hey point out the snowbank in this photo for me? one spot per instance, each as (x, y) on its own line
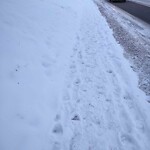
(36, 38)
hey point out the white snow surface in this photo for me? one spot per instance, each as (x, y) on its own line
(65, 84)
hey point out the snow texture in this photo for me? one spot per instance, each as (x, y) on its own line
(65, 84)
(135, 42)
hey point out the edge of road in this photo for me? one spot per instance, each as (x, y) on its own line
(134, 18)
(140, 2)
(139, 29)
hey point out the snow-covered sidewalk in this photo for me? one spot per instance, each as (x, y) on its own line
(65, 84)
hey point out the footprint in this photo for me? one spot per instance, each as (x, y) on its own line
(129, 140)
(126, 138)
(77, 81)
(75, 142)
(46, 64)
(114, 148)
(58, 129)
(66, 96)
(110, 71)
(17, 68)
(76, 118)
(20, 116)
(58, 117)
(108, 100)
(140, 125)
(56, 146)
(73, 69)
(129, 100)
(79, 55)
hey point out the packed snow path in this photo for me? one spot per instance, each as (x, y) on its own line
(101, 103)
(67, 94)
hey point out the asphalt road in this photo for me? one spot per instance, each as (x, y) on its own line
(137, 10)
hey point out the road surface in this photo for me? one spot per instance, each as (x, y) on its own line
(137, 10)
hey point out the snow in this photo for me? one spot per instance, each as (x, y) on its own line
(65, 83)
(134, 41)
(33, 60)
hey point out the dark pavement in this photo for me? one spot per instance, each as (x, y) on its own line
(137, 10)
